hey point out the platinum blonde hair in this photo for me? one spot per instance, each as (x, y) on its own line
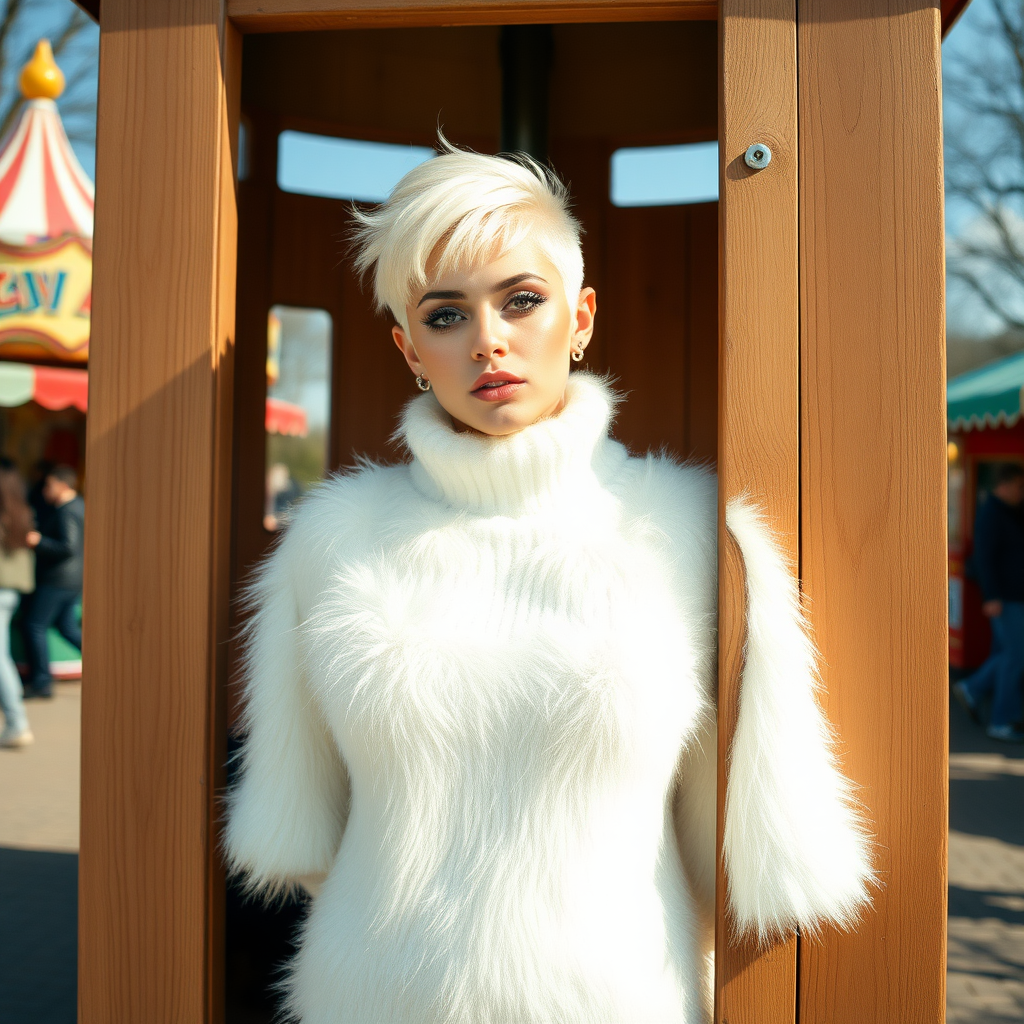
(461, 207)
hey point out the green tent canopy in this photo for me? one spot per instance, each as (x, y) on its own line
(987, 397)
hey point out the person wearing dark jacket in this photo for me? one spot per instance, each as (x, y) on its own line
(999, 566)
(58, 544)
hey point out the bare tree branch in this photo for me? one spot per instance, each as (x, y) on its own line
(984, 96)
(67, 33)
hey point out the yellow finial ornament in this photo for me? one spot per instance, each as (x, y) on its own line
(41, 79)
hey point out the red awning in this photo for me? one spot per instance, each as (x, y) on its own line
(56, 387)
(285, 418)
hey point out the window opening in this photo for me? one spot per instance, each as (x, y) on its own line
(323, 165)
(665, 175)
(298, 407)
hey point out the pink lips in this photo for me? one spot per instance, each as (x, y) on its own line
(496, 386)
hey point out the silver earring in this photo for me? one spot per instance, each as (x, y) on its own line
(577, 355)
(422, 383)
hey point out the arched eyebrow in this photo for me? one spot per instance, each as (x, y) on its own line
(509, 282)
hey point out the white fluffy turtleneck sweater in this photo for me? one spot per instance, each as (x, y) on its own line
(480, 696)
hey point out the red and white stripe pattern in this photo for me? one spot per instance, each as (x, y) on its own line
(44, 193)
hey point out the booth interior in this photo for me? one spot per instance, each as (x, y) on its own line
(308, 337)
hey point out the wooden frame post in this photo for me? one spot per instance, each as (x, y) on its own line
(156, 571)
(874, 478)
(758, 404)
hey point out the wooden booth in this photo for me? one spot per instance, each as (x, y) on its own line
(791, 332)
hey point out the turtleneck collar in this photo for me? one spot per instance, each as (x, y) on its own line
(549, 462)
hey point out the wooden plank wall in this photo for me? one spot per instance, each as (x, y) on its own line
(156, 558)
(874, 478)
(758, 411)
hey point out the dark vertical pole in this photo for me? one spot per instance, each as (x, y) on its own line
(526, 52)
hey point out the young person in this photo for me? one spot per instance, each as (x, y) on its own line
(999, 561)
(17, 572)
(58, 546)
(480, 684)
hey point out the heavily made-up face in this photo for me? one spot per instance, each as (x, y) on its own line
(495, 339)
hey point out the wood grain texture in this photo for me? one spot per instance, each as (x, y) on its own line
(758, 411)
(873, 478)
(311, 15)
(155, 579)
(658, 323)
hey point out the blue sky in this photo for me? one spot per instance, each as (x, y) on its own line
(963, 41)
(968, 42)
(43, 18)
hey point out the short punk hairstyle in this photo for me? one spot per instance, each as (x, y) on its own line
(463, 206)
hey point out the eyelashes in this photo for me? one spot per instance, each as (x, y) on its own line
(519, 304)
(443, 318)
(531, 299)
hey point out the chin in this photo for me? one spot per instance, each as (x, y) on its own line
(505, 419)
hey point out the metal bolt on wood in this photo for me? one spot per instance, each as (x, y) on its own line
(758, 156)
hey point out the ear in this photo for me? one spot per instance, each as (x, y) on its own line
(586, 311)
(405, 346)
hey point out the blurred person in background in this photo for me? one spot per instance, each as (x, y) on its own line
(281, 493)
(37, 483)
(58, 545)
(998, 564)
(17, 571)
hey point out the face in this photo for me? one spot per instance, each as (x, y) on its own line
(53, 489)
(495, 339)
(1012, 491)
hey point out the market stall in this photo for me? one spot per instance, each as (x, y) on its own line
(985, 430)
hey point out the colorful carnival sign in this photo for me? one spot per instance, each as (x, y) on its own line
(45, 299)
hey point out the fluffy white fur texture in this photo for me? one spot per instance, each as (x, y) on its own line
(796, 849)
(480, 701)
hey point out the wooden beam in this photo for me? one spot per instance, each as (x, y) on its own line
(91, 7)
(310, 15)
(951, 11)
(758, 412)
(874, 478)
(156, 572)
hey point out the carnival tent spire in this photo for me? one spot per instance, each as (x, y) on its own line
(44, 193)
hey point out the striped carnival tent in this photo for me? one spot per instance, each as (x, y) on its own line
(44, 193)
(46, 219)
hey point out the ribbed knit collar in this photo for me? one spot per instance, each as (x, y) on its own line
(551, 462)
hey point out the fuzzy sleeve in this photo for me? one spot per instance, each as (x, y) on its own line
(796, 851)
(287, 811)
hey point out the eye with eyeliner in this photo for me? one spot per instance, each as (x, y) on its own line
(442, 318)
(531, 299)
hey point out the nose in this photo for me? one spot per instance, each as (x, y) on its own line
(488, 341)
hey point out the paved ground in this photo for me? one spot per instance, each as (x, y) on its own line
(986, 877)
(38, 866)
